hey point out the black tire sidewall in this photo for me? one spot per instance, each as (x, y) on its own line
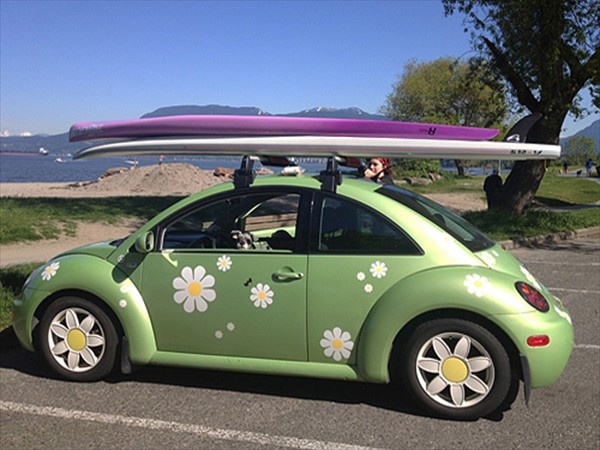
(504, 378)
(107, 361)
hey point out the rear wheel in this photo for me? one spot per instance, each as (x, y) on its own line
(456, 369)
(78, 339)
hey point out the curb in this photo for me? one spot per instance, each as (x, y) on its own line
(551, 238)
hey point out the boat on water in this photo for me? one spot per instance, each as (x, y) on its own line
(43, 151)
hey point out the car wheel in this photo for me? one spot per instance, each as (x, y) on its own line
(78, 339)
(456, 369)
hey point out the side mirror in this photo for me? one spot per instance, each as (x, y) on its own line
(145, 242)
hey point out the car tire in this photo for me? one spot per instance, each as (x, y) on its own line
(78, 339)
(456, 369)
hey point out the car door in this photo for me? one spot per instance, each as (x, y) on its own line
(228, 278)
(356, 255)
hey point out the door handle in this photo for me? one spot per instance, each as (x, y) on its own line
(287, 274)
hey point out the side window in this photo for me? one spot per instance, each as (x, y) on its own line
(346, 227)
(265, 221)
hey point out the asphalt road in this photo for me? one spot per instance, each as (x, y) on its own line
(175, 408)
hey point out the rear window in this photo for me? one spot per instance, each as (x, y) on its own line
(452, 223)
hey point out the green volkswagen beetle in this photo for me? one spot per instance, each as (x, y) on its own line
(368, 282)
(318, 276)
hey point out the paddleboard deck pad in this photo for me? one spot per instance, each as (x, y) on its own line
(173, 126)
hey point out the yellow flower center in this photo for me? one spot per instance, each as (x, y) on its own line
(337, 344)
(195, 289)
(262, 295)
(455, 370)
(76, 339)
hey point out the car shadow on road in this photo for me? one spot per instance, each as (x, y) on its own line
(388, 397)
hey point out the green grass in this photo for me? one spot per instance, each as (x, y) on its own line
(500, 225)
(11, 281)
(30, 219)
(554, 191)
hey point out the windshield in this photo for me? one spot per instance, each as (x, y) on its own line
(452, 223)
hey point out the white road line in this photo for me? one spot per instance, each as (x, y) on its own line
(176, 427)
(577, 291)
(588, 346)
(560, 263)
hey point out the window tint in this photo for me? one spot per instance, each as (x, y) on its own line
(265, 221)
(346, 227)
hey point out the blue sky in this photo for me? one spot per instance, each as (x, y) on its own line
(63, 62)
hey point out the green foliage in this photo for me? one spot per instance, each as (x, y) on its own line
(11, 281)
(448, 91)
(30, 219)
(415, 167)
(578, 149)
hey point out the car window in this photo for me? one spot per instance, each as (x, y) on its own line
(452, 223)
(265, 221)
(347, 227)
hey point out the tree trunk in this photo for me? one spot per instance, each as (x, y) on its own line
(460, 168)
(521, 185)
(525, 177)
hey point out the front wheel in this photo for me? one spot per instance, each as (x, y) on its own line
(78, 339)
(456, 369)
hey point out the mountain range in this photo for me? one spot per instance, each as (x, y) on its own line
(59, 144)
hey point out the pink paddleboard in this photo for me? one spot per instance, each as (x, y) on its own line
(173, 126)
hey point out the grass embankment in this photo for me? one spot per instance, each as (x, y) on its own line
(31, 219)
(26, 219)
(554, 192)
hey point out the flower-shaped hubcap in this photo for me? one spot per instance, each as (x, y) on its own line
(455, 370)
(76, 339)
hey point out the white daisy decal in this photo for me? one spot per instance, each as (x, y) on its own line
(123, 303)
(530, 278)
(488, 258)
(368, 288)
(193, 289)
(224, 263)
(337, 344)
(477, 285)
(219, 334)
(378, 269)
(230, 326)
(360, 276)
(262, 295)
(50, 270)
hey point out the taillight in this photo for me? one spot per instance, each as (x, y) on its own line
(532, 296)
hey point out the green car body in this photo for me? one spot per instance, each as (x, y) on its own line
(306, 308)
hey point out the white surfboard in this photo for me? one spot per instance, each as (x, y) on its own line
(325, 146)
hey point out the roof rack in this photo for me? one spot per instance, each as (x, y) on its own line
(245, 175)
(331, 177)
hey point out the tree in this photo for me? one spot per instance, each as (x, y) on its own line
(578, 149)
(448, 91)
(547, 51)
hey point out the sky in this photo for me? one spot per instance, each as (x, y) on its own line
(63, 62)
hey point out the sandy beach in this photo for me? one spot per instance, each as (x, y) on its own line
(166, 179)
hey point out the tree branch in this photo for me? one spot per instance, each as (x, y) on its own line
(523, 92)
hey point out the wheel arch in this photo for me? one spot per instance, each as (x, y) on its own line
(451, 313)
(79, 293)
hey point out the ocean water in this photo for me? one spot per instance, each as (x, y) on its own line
(35, 168)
